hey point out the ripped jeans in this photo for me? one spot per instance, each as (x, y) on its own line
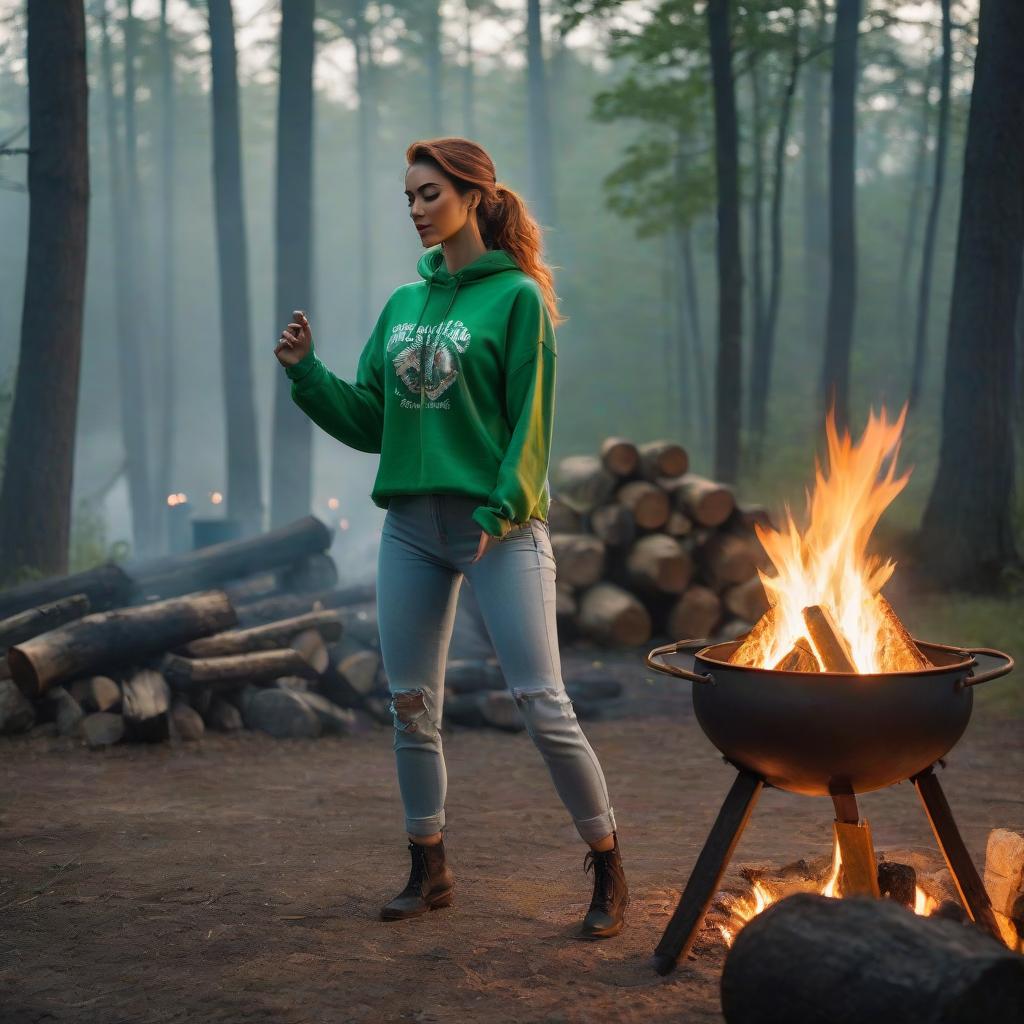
(427, 543)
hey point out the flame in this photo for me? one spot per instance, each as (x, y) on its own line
(828, 564)
(762, 897)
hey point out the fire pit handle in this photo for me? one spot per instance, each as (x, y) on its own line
(993, 673)
(675, 670)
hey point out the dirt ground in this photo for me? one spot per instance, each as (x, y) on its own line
(239, 878)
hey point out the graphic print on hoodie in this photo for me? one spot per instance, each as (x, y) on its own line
(455, 389)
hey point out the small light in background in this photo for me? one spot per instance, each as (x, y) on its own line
(343, 523)
(216, 497)
(332, 503)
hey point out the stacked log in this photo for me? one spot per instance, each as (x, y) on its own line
(137, 655)
(646, 547)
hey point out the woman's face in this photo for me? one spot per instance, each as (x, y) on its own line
(436, 208)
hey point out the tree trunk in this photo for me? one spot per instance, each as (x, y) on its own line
(35, 500)
(728, 373)
(815, 224)
(165, 470)
(367, 137)
(701, 386)
(932, 225)
(244, 502)
(967, 531)
(842, 288)
(292, 445)
(538, 120)
(757, 302)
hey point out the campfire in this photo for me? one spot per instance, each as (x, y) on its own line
(826, 612)
(829, 695)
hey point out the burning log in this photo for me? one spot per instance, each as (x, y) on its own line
(896, 647)
(98, 642)
(612, 616)
(234, 669)
(848, 961)
(800, 659)
(647, 503)
(749, 652)
(264, 638)
(897, 882)
(619, 456)
(832, 649)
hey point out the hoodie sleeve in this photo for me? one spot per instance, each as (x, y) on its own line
(351, 412)
(530, 404)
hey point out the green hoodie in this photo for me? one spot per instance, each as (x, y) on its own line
(455, 389)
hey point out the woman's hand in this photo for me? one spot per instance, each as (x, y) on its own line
(486, 541)
(296, 340)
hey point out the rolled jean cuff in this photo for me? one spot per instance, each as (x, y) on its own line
(593, 829)
(425, 826)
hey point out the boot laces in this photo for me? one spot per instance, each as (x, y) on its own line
(604, 882)
(418, 870)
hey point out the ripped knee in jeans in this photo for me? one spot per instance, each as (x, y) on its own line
(549, 701)
(409, 709)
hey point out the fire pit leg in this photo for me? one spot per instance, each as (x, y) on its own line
(707, 872)
(856, 849)
(961, 867)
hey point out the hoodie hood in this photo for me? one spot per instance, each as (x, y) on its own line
(432, 268)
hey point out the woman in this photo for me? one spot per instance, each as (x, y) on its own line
(455, 389)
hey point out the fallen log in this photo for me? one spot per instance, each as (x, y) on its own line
(27, 624)
(847, 961)
(310, 574)
(106, 586)
(283, 606)
(271, 636)
(218, 563)
(105, 640)
(234, 669)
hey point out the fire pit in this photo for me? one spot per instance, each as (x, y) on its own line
(828, 695)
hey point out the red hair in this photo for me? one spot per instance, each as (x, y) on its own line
(504, 219)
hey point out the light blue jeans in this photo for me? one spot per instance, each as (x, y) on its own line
(427, 544)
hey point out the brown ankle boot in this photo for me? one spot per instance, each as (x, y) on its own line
(605, 916)
(430, 884)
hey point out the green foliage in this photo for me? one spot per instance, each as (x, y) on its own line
(89, 545)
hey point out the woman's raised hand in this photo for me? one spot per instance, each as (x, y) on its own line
(296, 340)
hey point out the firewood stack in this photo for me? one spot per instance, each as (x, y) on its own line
(644, 547)
(247, 634)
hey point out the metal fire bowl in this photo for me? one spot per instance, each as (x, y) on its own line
(820, 733)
